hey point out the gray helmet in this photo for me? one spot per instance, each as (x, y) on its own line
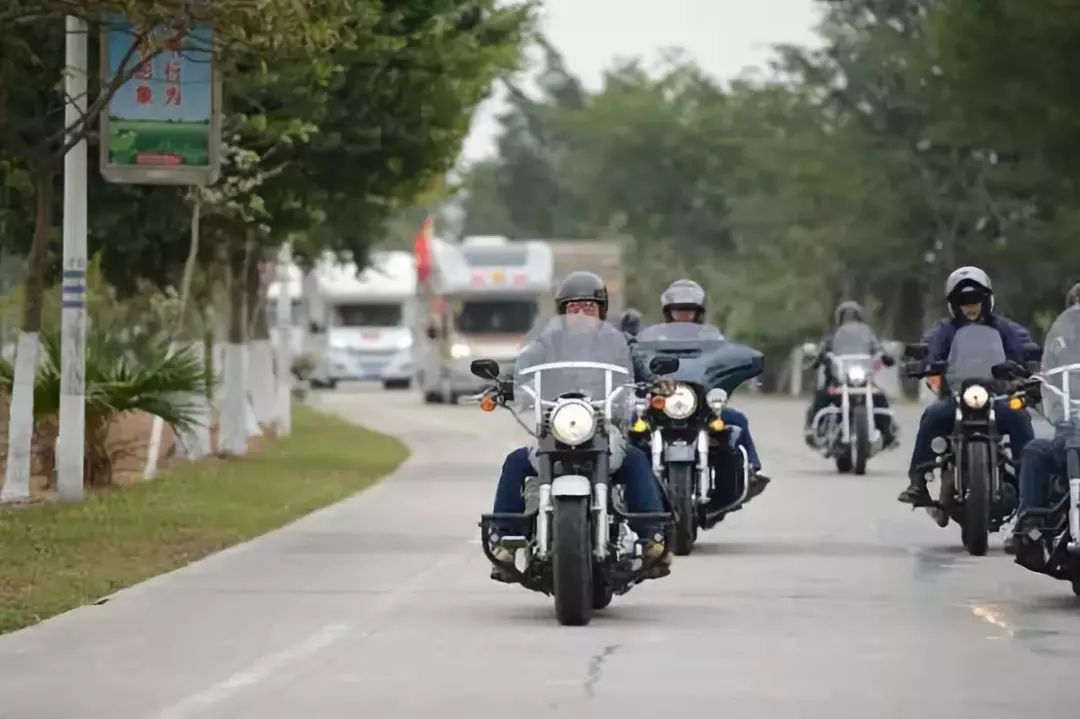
(683, 294)
(969, 285)
(582, 286)
(631, 322)
(1072, 299)
(846, 308)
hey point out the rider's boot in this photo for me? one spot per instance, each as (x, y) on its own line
(916, 493)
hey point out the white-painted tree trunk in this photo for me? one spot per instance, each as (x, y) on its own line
(194, 443)
(21, 420)
(235, 406)
(262, 386)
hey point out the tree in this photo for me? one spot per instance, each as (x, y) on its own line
(34, 138)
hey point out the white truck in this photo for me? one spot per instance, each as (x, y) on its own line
(360, 323)
(479, 299)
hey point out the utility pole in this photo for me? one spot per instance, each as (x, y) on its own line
(285, 330)
(70, 444)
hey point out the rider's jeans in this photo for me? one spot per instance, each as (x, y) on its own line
(737, 419)
(643, 493)
(1039, 464)
(938, 420)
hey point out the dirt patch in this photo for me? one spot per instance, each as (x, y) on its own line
(129, 440)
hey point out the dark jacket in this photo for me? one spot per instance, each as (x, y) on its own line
(1013, 337)
(642, 373)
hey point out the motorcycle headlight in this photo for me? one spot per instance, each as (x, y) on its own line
(573, 422)
(856, 375)
(681, 404)
(976, 396)
(460, 350)
(716, 398)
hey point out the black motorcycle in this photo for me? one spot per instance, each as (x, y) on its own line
(979, 489)
(573, 388)
(1049, 538)
(705, 473)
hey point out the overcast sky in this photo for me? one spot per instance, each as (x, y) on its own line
(722, 36)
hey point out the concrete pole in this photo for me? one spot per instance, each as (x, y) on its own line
(285, 330)
(72, 436)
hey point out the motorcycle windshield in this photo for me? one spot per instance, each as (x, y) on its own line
(1061, 369)
(853, 345)
(580, 356)
(705, 357)
(974, 352)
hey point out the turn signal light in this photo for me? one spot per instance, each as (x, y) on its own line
(717, 425)
(488, 403)
(657, 402)
(1017, 403)
(640, 426)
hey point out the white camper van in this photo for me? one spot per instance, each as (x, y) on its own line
(360, 323)
(480, 300)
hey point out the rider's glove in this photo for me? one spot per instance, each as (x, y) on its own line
(664, 387)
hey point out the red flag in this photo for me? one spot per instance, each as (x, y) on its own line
(422, 249)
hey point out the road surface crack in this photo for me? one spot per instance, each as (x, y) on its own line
(596, 668)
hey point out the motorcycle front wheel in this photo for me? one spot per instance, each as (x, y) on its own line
(681, 485)
(860, 445)
(976, 529)
(571, 561)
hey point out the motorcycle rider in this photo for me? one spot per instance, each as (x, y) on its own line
(970, 297)
(631, 322)
(1072, 299)
(584, 293)
(849, 312)
(1043, 459)
(685, 301)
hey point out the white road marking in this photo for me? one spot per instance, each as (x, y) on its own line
(257, 673)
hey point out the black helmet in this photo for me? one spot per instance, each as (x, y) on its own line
(969, 286)
(631, 322)
(684, 295)
(1072, 299)
(580, 286)
(849, 308)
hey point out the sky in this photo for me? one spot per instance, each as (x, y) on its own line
(723, 36)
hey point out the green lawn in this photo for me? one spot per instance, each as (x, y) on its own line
(54, 558)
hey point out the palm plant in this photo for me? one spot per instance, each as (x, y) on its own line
(161, 383)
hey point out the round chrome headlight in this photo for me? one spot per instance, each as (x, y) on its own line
(573, 422)
(976, 396)
(716, 398)
(856, 375)
(681, 404)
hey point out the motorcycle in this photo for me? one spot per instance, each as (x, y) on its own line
(1050, 544)
(572, 390)
(705, 473)
(845, 430)
(979, 489)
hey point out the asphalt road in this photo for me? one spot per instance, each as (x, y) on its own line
(824, 598)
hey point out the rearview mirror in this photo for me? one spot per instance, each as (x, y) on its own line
(916, 351)
(485, 369)
(432, 332)
(1005, 370)
(663, 365)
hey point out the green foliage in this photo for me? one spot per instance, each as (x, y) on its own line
(160, 384)
(860, 170)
